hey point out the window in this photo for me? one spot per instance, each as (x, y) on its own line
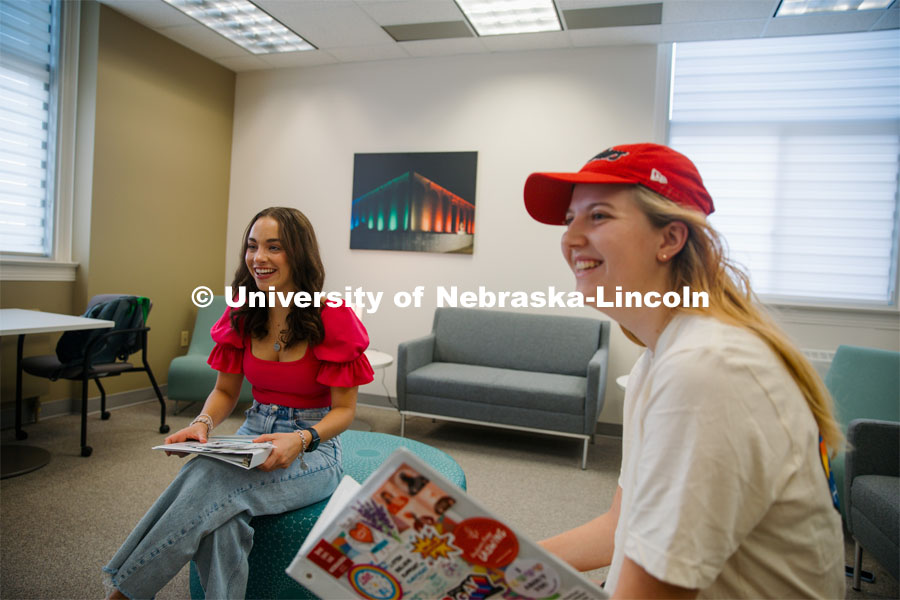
(798, 141)
(28, 59)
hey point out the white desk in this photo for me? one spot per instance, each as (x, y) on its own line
(15, 458)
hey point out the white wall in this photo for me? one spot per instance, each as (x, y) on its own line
(296, 131)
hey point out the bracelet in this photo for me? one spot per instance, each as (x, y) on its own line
(302, 450)
(206, 420)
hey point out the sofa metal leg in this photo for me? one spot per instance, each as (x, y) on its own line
(402, 425)
(857, 566)
(584, 454)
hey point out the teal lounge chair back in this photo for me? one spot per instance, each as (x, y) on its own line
(865, 384)
(190, 378)
(201, 341)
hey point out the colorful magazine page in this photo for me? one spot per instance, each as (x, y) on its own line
(408, 533)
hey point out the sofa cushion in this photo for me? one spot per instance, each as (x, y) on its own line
(507, 340)
(879, 497)
(504, 387)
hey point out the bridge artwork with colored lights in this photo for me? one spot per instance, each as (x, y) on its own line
(412, 212)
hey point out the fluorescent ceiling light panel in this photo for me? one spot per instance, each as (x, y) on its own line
(499, 17)
(804, 7)
(245, 24)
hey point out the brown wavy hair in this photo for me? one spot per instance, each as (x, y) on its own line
(307, 272)
(703, 264)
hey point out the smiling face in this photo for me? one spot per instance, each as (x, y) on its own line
(610, 242)
(266, 257)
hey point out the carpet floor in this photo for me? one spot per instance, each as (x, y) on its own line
(59, 525)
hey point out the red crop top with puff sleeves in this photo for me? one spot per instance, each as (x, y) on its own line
(338, 361)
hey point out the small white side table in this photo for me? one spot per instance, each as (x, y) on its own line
(379, 361)
(622, 382)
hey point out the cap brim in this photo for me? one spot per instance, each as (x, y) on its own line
(547, 195)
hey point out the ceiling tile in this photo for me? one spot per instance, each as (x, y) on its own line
(711, 30)
(204, 41)
(607, 36)
(717, 10)
(444, 47)
(429, 31)
(150, 13)
(614, 16)
(528, 41)
(822, 23)
(298, 59)
(579, 4)
(365, 53)
(328, 23)
(243, 63)
(403, 12)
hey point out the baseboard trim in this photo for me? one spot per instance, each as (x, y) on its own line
(33, 411)
(377, 401)
(609, 429)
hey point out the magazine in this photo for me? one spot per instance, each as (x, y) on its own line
(409, 533)
(238, 450)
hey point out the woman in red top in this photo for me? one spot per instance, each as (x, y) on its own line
(304, 365)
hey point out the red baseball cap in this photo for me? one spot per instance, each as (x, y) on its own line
(658, 168)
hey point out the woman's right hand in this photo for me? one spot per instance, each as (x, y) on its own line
(194, 431)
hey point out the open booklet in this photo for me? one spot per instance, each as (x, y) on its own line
(409, 533)
(238, 450)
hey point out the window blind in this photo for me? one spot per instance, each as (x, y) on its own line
(798, 142)
(27, 123)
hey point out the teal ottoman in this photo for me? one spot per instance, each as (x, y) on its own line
(277, 538)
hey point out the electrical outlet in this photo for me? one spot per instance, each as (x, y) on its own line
(184, 338)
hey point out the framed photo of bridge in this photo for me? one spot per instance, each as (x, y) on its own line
(414, 201)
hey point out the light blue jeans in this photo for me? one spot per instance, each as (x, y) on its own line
(205, 512)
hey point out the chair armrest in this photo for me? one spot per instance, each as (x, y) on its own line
(412, 355)
(597, 370)
(872, 449)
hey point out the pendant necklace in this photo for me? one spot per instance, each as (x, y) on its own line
(277, 345)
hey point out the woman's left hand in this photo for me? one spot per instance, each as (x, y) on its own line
(287, 449)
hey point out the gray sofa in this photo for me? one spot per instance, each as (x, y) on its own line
(541, 373)
(872, 480)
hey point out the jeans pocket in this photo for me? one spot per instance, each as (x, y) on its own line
(309, 417)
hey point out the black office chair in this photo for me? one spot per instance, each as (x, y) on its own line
(50, 367)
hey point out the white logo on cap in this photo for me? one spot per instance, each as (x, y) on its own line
(658, 177)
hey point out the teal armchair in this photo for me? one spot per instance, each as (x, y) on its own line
(190, 378)
(865, 384)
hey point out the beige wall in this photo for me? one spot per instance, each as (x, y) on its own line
(151, 211)
(162, 150)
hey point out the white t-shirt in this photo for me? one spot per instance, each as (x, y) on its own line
(723, 488)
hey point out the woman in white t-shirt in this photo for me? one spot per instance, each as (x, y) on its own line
(722, 490)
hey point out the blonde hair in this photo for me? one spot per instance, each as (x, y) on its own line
(703, 264)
